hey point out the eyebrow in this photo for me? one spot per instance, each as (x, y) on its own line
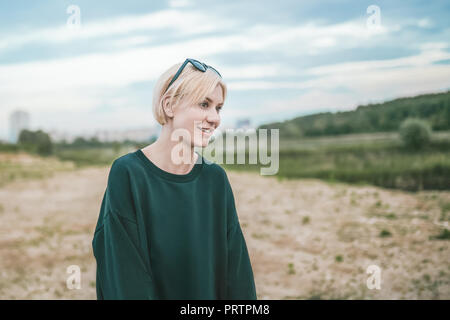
(220, 104)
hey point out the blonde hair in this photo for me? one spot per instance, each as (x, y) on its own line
(192, 84)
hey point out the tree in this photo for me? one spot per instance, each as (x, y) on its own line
(35, 142)
(415, 133)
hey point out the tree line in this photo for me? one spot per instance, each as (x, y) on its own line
(380, 117)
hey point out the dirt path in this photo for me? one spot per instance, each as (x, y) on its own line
(306, 238)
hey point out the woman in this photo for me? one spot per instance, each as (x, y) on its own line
(168, 228)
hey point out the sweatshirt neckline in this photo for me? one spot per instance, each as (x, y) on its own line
(171, 176)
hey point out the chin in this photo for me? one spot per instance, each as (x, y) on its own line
(201, 142)
(204, 144)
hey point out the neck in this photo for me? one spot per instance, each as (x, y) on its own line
(160, 152)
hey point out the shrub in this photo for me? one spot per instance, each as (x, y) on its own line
(444, 235)
(415, 133)
(35, 142)
(385, 233)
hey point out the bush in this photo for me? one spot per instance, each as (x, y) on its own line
(415, 133)
(35, 142)
(8, 147)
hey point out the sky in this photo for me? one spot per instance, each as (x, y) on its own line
(80, 66)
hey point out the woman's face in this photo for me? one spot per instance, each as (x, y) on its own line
(203, 115)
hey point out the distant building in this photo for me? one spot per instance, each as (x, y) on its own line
(58, 136)
(243, 123)
(138, 134)
(107, 135)
(18, 120)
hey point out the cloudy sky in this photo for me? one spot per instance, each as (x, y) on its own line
(280, 59)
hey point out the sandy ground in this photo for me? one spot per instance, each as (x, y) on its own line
(306, 238)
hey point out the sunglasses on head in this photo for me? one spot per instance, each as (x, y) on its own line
(197, 64)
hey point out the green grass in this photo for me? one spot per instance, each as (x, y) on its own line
(38, 168)
(391, 216)
(64, 159)
(305, 220)
(444, 235)
(381, 162)
(361, 159)
(385, 233)
(445, 209)
(83, 157)
(291, 269)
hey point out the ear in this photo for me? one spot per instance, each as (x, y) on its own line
(167, 107)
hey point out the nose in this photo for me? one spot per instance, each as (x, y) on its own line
(213, 117)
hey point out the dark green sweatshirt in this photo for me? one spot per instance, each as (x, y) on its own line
(161, 235)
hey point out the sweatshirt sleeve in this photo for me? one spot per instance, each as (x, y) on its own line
(240, 283)
(121, 269)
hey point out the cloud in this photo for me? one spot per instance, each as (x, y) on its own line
(127, 42)
(311, 36)
(315, 99)
(379, 85)
(346, 85)
(180, 3)
(351, 73)
(431, 52)
(175, 22)
(424, 23)
(125, 67)
(44, 83)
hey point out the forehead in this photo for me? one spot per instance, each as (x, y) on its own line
(216, 96)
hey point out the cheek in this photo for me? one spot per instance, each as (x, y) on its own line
(188, 119)
(195, 117)
(185, 119)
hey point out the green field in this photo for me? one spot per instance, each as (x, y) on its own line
(378, 159)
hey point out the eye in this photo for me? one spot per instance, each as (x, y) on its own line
(219, 108)
(204, 103)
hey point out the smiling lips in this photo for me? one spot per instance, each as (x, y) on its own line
(206, 130)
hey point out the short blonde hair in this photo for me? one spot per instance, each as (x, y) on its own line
(192, 84)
